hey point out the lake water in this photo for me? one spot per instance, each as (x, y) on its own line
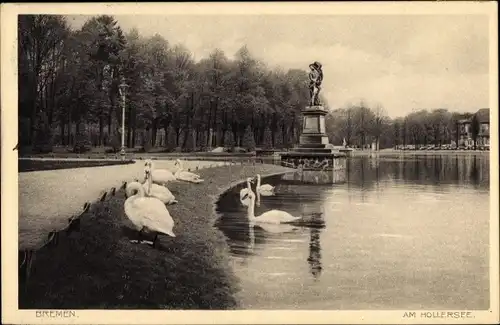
(408, 233)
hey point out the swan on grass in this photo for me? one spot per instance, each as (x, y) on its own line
(272, 216)
(160, 176)
(183, 175)
(162, 193)
(245, 191)
(147, 214)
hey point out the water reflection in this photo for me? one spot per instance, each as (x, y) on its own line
(399, 233)
(314, 258)
(426, 170)
(318, 177)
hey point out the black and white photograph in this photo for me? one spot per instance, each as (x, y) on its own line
(282, 162)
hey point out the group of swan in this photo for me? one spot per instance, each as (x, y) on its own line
(264, 190)
(269, 217)
(147, 209)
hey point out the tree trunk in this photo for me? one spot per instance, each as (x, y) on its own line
(61, 129)
(101, 130)
(110, 132)
(134, 133)
(69, 128)
(195, 136)
(129, 128)
(214, 122)
(210, 139)
(177, 135)
(154, 129)
(32, 120)
(77, 126)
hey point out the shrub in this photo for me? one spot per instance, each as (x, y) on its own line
(248, 139)
(190, 141)
(267, 142)
(82, 142)
(146, 141)
(43, 136)
(24, 130)
(278, 138)
(171, 141)
(202, 141)
(229, 140)
(115, 143)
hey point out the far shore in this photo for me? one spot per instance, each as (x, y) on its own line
(393, 152)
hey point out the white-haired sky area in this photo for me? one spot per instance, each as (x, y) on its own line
(402, 63)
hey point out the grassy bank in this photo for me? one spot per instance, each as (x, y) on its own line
(97, 267)
(36, 165)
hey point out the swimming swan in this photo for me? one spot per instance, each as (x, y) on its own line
(272, 216)
(182, 175)
(160, 176)
(264, 189)
(147, 213)
(245, 191)
(162, 193)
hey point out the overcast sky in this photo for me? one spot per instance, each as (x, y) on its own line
(401, 62)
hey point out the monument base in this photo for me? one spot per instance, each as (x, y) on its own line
(314, 151)
(315, 177)
(313, 159)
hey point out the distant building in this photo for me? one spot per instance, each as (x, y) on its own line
(464, 133)
(483, 136)
(465, 129)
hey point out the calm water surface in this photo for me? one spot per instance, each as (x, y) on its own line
(399, 234)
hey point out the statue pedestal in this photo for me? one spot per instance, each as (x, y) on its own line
(312, 152)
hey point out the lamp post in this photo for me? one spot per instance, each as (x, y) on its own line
(123, 88)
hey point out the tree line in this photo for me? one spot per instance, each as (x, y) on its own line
(69, 90)
(362, 125)
(69, 94)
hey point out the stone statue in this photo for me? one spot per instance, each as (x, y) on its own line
(315, 77)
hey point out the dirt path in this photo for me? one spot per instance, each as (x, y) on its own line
(48, 198)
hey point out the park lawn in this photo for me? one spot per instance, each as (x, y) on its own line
(98, 268)
(133, 153)
(28, 165)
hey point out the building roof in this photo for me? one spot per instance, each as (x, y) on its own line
(483, 115)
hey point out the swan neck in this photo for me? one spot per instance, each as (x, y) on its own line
(150, 182)
(251, 209)
(258, 180)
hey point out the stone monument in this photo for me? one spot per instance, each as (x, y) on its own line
(314, 152)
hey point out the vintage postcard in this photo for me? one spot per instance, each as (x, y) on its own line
(250, 163)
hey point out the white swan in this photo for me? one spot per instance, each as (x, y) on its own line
(160, 176)
(182, 175)
(272, 216)
(245, 191)
(162, 193)
(264, 189)
(147, 213)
